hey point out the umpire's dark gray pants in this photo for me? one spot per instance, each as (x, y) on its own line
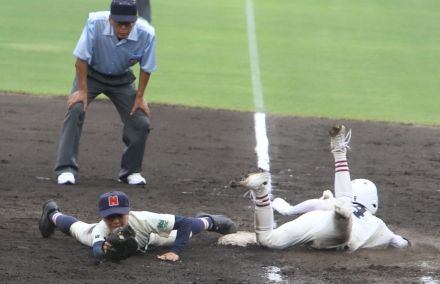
(135, 131)
(144, 9)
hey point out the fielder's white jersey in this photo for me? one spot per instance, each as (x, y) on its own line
(143, 223)
(368, 231)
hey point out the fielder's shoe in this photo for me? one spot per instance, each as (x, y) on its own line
(257, 182)
(134, 179)
(339, 139)
(45, 224)
(221, 224)
(66, 178)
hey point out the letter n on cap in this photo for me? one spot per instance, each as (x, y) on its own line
(113, 200)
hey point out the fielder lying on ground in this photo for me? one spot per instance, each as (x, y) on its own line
(122, 233)
(344, 222)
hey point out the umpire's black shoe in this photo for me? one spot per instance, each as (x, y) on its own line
(47, 228)
(221, 224)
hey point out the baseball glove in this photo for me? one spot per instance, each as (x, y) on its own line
(123, 243)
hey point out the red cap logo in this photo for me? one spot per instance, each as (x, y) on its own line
(113, 200)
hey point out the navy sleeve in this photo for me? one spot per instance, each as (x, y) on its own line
(183, 227)
(98, 252)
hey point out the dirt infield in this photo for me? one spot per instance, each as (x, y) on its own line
(192, 155)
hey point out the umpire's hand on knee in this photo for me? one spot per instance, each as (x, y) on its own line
(139, 103)
(77, 97)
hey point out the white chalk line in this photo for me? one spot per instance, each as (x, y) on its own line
(262, 141)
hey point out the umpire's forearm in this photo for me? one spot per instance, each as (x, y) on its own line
(81, 74)
(144, 77)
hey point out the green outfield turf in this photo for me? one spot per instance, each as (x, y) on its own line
(373, 60)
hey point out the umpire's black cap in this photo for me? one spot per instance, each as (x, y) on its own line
(123, 11)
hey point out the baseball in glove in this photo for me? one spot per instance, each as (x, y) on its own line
(122, 243)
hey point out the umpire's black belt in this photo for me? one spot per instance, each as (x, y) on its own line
(111, 80)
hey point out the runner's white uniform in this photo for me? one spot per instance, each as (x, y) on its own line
(369, 231)
(322, 228)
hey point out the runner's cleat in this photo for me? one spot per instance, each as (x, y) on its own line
(339, 139)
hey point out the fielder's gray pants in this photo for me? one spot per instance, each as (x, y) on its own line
(135, 131)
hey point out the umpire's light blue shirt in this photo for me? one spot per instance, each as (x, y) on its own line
(99, 46)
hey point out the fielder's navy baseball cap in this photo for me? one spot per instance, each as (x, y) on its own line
(113, 202)
(123, 11)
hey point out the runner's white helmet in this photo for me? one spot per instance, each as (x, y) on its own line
(365, 193)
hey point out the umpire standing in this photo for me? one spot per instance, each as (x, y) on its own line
(110, 43)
